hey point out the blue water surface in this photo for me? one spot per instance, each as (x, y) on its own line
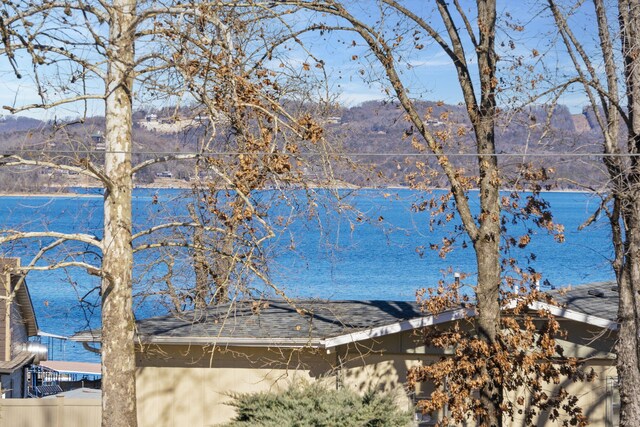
(368, 244)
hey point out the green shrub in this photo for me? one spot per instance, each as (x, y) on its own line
(304, 405)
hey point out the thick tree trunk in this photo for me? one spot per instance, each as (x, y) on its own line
(627, 263)
(487, 250)
(627, 356)
(118, 355)
(224, 265)
(488, 319)
(201, 267)
(628, 348)
(214, 271)
(200, 264)
(483, 230)
(487, 243)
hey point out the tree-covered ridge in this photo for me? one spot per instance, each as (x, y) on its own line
(371, 136)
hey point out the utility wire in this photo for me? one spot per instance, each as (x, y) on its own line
(8, 154)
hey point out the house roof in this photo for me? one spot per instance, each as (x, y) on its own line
(83, 368)
(275, 322)
(78, 393)
(332, 323)
(599, 300)
(22, 296)
(18, 361)
(23, 299)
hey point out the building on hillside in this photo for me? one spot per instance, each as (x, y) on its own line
(189, 365)
(97, 141)
(17, 324)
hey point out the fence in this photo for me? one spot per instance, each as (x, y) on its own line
(54, 412)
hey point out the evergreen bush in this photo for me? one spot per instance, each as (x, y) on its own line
(312, 405)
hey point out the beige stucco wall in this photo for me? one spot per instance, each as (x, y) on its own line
(190, 386)
(182, 386)
(197, 396)
(183, 379)
(50, 412)
(595, 398)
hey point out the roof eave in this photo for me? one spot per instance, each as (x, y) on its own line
(21, 359)
(28, 313)
(405, 325)
(235, 342)
(217, 341)
(575, 315)
(22, 296)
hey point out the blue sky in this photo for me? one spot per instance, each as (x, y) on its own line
(427, 72)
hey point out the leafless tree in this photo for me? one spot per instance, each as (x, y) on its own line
(613, 90)
(392, 31)
(79, 54)
(483, 229)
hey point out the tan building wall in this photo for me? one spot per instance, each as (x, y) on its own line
(180, 386)
(198, 396)
(596, 398)
(58, 412)
(184, 386)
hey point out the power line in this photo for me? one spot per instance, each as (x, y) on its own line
(8, 154)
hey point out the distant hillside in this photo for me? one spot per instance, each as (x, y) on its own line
(544, 135)
(9, 124)
(374, 137)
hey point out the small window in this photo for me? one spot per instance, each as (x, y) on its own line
(423, 391)
(613, 402)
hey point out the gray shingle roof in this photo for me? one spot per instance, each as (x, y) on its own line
(277, 319)
(595, 299)
(272, 322)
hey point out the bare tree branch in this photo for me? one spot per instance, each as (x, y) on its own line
(175, 225)
(49, 105)
(13, 235)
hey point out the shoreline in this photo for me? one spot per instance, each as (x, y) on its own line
(67, 194)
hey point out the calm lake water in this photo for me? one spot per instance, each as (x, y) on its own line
(368, 244)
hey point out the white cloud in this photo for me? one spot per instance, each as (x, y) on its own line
(439, 59)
